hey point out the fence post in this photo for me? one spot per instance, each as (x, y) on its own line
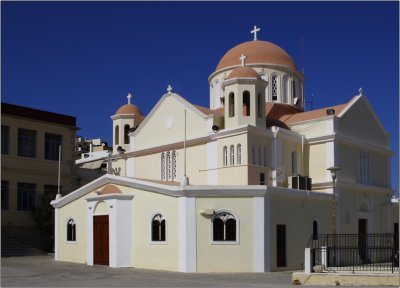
(307, 260)
(324, 255)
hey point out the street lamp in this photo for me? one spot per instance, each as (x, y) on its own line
(334, 170)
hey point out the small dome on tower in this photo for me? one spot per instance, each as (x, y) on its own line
(244, 72)
(129, 108)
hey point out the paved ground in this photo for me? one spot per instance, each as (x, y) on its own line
(43, 271)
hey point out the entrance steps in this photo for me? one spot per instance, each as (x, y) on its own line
(11, 248)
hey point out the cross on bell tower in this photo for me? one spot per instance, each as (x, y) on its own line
(243, 59)
(254, 31)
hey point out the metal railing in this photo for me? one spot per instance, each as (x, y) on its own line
(355, 252)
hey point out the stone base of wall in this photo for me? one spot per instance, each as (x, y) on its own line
(361, 279)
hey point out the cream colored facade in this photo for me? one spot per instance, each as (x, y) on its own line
(236, 212)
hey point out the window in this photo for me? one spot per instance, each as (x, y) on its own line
(26, 196)
(294, 94)
(163, 168)
(5, 139)
(5, 188)
(294, 163)
(239, 154)
(246, 103)
(364, 168)
(265, 157)
(116, 132)
(158, 228)
(315, 230)
(173, 165)
(231, 104)
(168, 168)
(224, 227)
(225, 156)
(126, 134)
(26, 143)
(274, 87)
(262, 179)
(52, 144)
(259, 105)
(260, 156)
(71, 230)
(232, 155)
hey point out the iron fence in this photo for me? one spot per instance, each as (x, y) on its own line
(355, 252)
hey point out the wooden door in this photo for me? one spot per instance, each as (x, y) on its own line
(280, 245)
(100, 240)
(362, 239)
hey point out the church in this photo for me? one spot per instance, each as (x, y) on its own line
(239, 186)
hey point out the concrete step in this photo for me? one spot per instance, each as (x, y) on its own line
(11, 247)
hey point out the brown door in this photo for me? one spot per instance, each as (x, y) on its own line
(362, 239)
(100, 240)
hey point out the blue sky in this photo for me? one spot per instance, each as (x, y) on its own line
(83, 58)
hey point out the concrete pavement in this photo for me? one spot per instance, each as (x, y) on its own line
(43, 271)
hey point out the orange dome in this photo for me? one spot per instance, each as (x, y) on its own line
(128, 109)
(257, 52)
(244, 72)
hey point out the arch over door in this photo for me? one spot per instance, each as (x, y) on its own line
(101, 240)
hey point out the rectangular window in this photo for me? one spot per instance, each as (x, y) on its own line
(262, 179)
(26, 196)
(5, 139)
(280, 245)
(52, 144)
(5, 187)
(26, 143)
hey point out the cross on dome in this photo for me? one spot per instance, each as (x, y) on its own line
(169, 89)
(360, 91)
(243, 58)
(254, 31)
(129, 98)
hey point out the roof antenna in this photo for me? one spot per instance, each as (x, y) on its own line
(302, 53)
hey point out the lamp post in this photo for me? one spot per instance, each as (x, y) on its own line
(334, 170)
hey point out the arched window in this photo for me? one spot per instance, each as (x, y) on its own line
(260, 156)
(224, 227)
(274, 87)
(163, 170)
(294, 92)
(294, 163)
(246, 103)
(116, 132)
(253, 154)
(168, 167)
(71, 230)
(126, 134)
(225, 156)
(173, 165)
(265, 157)
(232, 155)
(158, 228)
(239, 154)
(259, 105)
(315, 230)
(231, 104)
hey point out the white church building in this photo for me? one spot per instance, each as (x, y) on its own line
(239, 186)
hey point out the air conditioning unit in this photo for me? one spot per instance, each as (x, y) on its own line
(300, 182)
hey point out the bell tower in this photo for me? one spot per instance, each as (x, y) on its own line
(244, 97)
